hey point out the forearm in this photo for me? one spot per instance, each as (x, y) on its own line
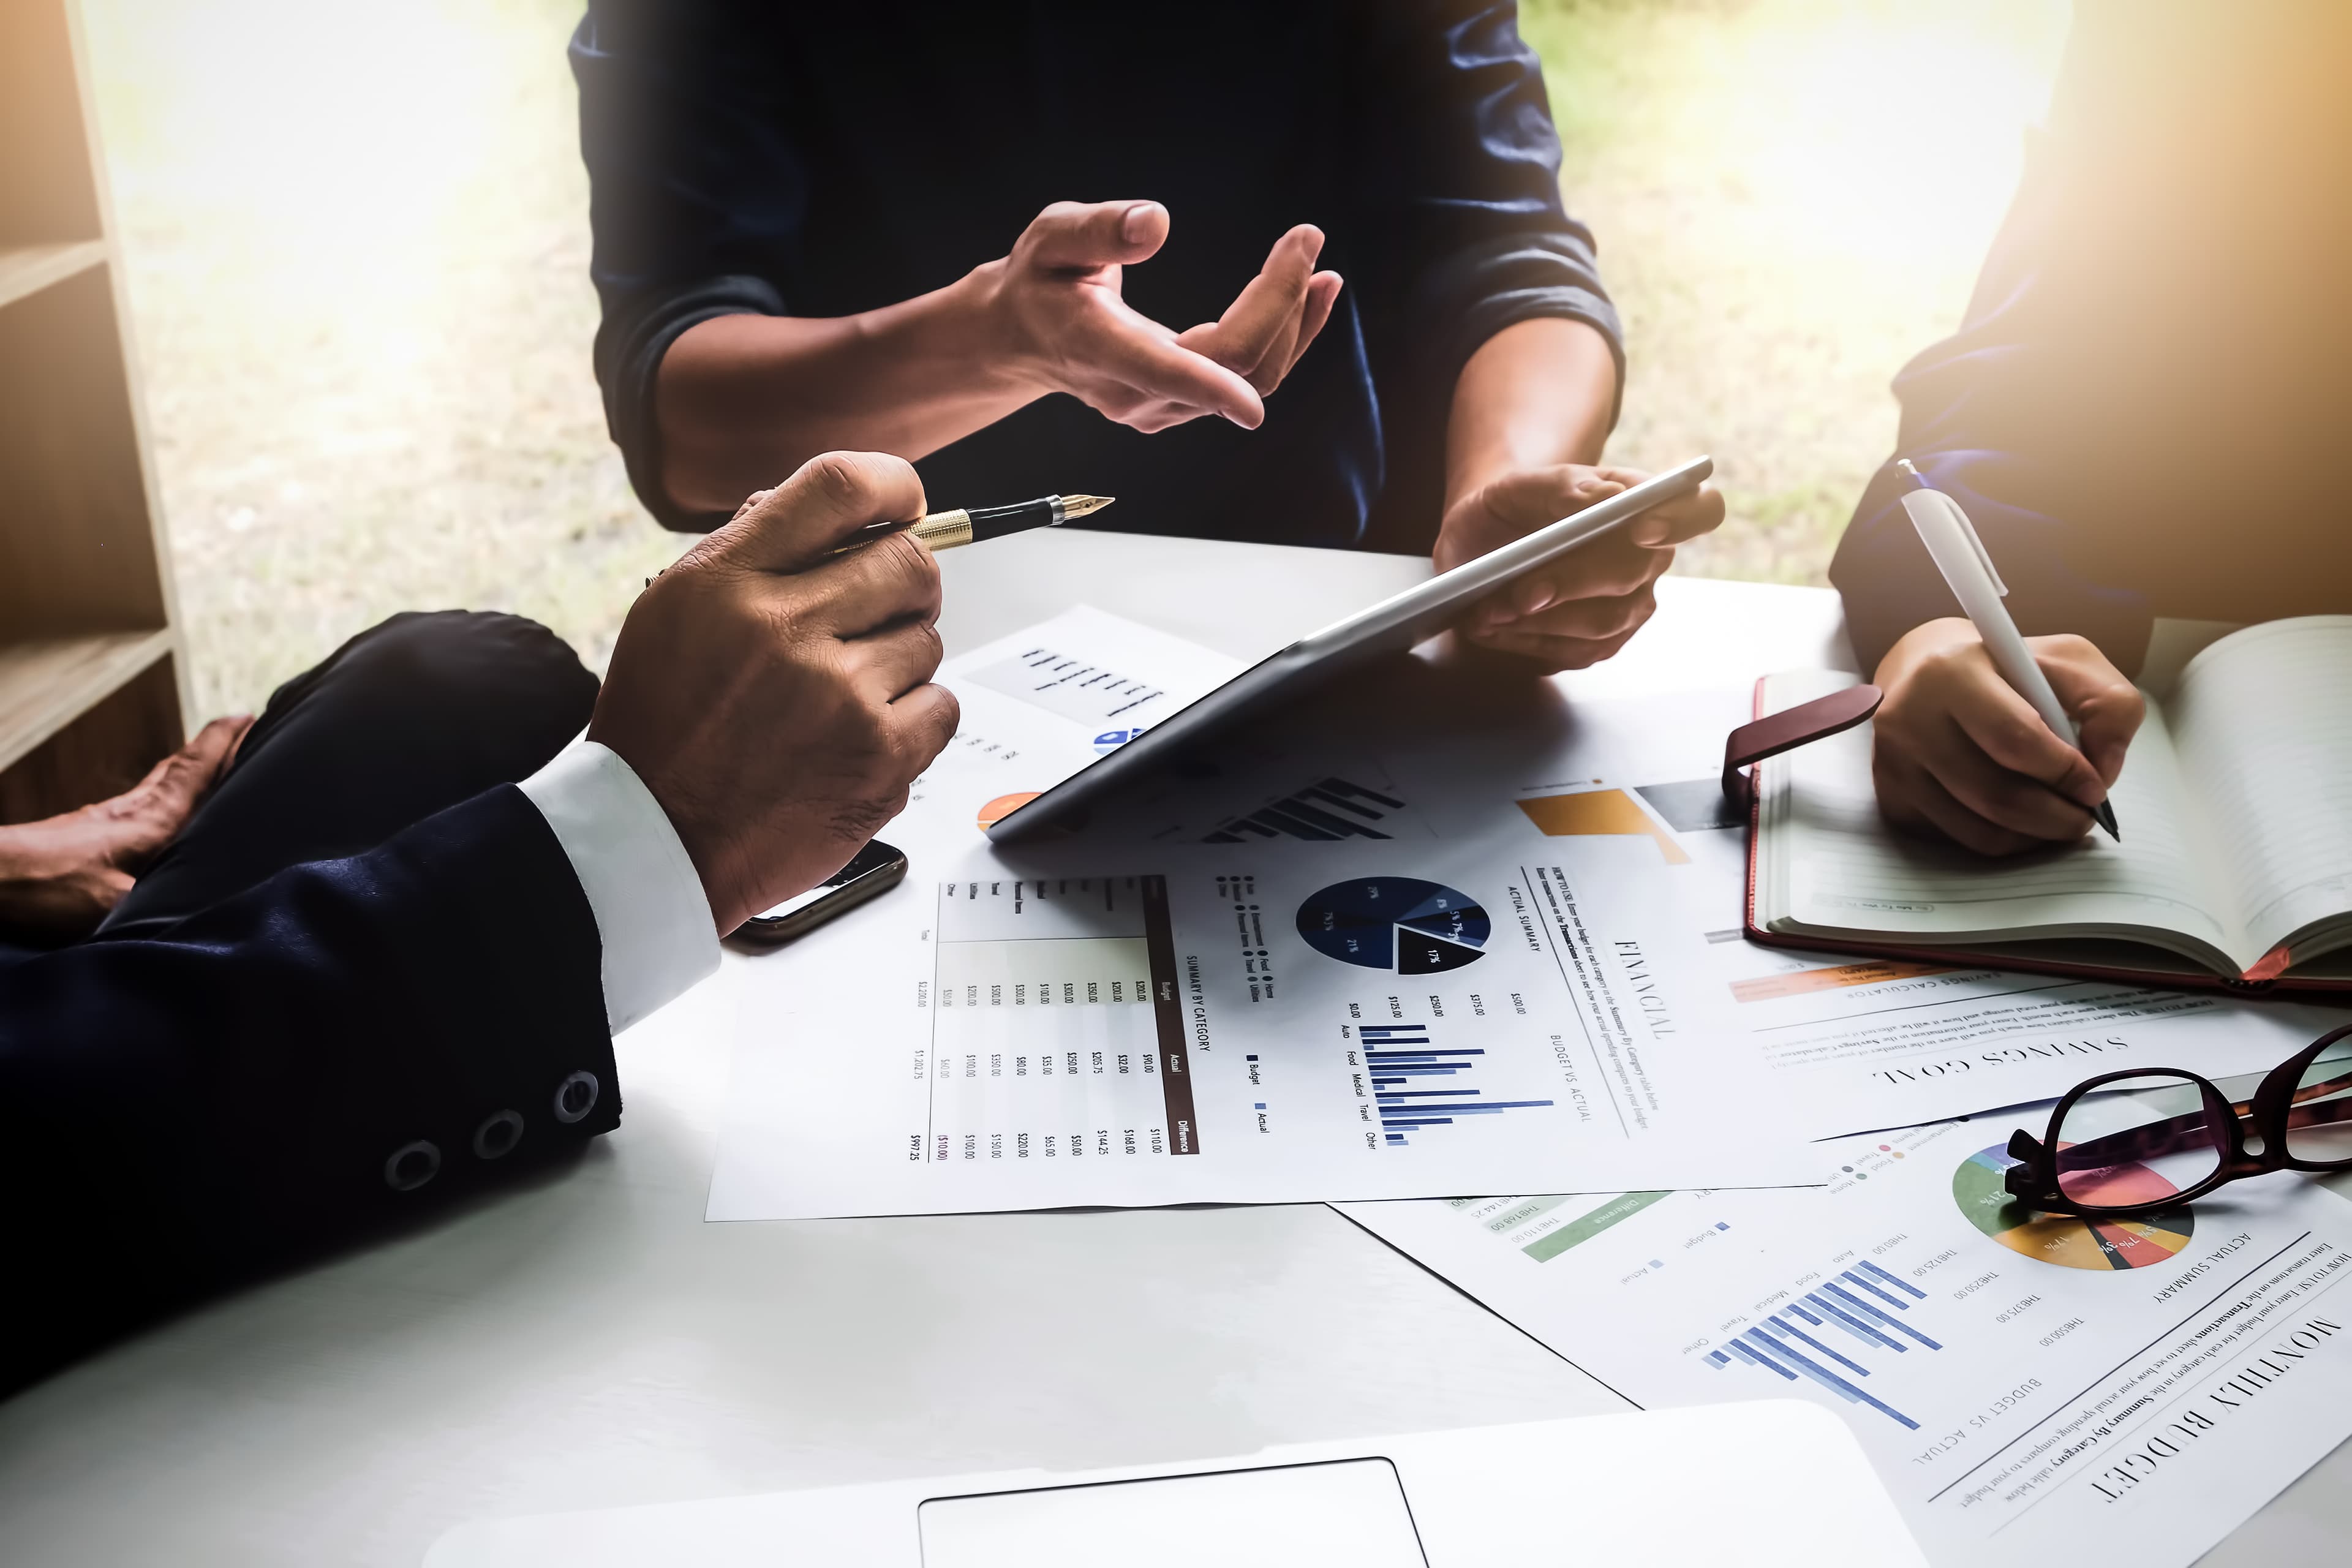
(1537, 394)
(742, 401)
(265, 1078)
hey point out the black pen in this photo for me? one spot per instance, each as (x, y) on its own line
(941, 530)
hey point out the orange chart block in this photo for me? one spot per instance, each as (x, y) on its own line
(1604, 813)
(1765, 987)
(1002, 806)
(2073, 1242)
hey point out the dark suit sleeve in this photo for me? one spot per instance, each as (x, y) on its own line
(695, 188)
(1462, 163)
(347, 1046)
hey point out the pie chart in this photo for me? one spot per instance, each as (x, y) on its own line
(1400, 924)
(2068, 1240)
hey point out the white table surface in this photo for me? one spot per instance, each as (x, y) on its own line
(590, 1342)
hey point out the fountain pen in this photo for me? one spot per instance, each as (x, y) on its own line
(941, 530)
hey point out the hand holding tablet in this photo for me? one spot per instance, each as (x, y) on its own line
(1391, 625)
(1576, 611)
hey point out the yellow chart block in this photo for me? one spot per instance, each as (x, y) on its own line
(1602, 813)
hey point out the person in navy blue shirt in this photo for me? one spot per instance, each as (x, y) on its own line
(980, 235)
(2142, 413)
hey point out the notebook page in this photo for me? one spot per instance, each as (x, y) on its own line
(2262, 720)
(1847, 869)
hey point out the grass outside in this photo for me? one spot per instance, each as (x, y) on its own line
(1791, 199)
(358, 254)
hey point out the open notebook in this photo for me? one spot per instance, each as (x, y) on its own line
(2235, 866)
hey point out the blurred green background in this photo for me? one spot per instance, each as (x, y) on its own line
(358, 248)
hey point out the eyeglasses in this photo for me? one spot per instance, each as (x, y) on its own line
(2136, 1142)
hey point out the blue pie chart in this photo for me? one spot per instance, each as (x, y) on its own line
(1401, 924)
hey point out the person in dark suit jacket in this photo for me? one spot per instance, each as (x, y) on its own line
(381, 966)
(1067, 245)
(2142, 412)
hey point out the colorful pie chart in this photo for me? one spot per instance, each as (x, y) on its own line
(1401, 924)
(2065, 1240)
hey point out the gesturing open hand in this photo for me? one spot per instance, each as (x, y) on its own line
(1067, 328)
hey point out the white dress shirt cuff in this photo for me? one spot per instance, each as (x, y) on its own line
(650, 910)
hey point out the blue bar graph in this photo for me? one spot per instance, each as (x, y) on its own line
(1903, 1285)
(1401, 1054)
(1801, 1342)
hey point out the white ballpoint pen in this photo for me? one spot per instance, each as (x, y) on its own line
(1960, 556)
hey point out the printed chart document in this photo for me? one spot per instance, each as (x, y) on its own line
(1859, 1042)
(1038, 705)
(1404, 780)
(1127, 1024)
(2029, 1388)
(1882, 1042)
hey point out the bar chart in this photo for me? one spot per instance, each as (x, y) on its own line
(1329, 809)
(1817, 1337)
(1076, 687)
(1420, 1085)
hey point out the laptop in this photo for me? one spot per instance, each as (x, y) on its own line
(1765, 1484)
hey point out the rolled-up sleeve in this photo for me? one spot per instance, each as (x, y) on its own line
(695, 196)
(1467, 170)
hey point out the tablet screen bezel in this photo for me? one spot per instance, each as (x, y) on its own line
(1394, 625)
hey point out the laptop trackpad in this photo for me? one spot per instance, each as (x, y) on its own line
(1352, 1513)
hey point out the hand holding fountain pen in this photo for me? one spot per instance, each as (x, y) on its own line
(938, 530)
(941, 530)
(1960, 556)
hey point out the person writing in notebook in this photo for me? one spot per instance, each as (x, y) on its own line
(883, 227)
(2142, 412)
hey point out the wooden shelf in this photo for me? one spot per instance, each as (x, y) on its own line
(29, 269)
(86, 707)
(46, 683)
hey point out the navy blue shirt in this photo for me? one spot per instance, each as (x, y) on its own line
(820, 160)
(2145, 410)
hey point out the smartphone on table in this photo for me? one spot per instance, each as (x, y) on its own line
(876, 869)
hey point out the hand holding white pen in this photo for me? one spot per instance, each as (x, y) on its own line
(1960, 556)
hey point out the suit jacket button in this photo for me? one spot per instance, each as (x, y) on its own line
(496, 1136)
(575, 1096)
(411, 1165)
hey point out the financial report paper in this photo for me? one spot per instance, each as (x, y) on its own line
(2027, 1388)
(1262, 1022)
(1858, 1043)
(1404, 780)
(1040, 705)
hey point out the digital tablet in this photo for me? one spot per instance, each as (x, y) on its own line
(1394, 624)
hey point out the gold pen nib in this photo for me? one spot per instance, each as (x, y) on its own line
(1076, 506)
